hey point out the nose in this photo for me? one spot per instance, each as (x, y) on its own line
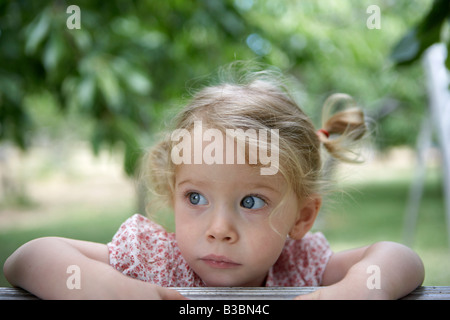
(222, 228)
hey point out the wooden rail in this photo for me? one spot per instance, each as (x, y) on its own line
(269, 293)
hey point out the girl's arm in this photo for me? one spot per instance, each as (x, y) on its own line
(41, 267)
(384, 270)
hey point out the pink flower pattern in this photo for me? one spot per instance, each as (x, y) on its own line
(144, 250)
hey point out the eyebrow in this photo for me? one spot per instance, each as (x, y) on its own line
(249, 186)
(263, 186)
(194, 182)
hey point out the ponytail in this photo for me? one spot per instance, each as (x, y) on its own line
(343, 124)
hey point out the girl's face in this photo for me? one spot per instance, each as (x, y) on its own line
(222, 221)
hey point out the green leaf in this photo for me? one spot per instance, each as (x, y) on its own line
(407, 49)
(436, 16)
(53, 53)
(131, 159)
(447, 61)
(11, 87)
(138, 82)
(132, 77)
(422, 36)
(36, 31)
(97, 139)
(128, 134)
(86, 93)
(109, 85)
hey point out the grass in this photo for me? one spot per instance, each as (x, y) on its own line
(367, 213)
(376, 212)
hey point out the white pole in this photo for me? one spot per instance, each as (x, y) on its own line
(439, 99)
(416, 190)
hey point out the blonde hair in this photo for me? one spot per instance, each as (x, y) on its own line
(261, 100)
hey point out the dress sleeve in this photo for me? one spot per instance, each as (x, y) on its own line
(142, 249)
(302, 262)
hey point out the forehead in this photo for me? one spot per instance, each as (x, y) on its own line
(205, 144)
(228, 175)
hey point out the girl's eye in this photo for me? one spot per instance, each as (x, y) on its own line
(197, 199)
(252, 202)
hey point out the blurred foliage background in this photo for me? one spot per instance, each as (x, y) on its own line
(115, 81)
(128, 64)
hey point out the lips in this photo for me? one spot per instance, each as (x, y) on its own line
(220, 262)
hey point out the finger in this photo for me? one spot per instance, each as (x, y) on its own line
(310, 296)
(170, 294)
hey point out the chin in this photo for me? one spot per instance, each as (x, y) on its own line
(228, 281)
(222, 283)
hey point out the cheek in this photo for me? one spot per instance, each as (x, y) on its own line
(182, 214)
(187, 239)
(281, 224)
(285, 218)
(189, 228)
(266, 244)
(185, 228)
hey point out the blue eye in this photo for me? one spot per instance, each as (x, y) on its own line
(252, 202)
(196, 198)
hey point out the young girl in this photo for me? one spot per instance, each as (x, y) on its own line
(243, 174)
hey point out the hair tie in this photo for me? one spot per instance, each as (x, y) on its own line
(325, 132)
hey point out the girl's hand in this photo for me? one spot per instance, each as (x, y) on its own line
(169, 294)
(146, 291)
(348, 274)
(341, 292)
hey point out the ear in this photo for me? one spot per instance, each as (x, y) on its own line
(306, 217)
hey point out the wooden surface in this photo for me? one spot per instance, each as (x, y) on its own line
(273, 293)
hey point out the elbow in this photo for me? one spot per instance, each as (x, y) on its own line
(8, 269)
(14, 264)
(412, 265)
(20, 262)
(419, 268)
